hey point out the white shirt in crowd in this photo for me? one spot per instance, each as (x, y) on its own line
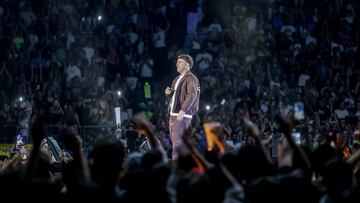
(133, 37)
(204, 60)
(336, 45)
(264, 106)
(251, 23)
(284, 110)
(288, 29)
(110, 28)
(146, 71)
(159, 39)
(303, 78)
(131, 82)
(232, 144)
(69, 40)
(100, 81)
(72, 71)
(341, 114)
(310, 39)
(140, 48)
(196, 45)
(273, 84)
(357, 114)
(134, 18)
(89, 53)
(216, 26)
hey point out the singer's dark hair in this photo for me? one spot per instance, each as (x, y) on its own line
(187, 58)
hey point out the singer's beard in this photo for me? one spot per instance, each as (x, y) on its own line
(181, 69)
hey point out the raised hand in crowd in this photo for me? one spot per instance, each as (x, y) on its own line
(198, 158)
(78, 165)
(38, 133)
(145, 128)
(254, 132)
(286, 126)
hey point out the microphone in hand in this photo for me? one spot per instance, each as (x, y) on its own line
(168, 91)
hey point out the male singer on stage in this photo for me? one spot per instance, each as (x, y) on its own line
(184, 103)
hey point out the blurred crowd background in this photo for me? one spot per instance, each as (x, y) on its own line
(74, 61)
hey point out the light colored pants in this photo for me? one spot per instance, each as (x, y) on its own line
(177, 129)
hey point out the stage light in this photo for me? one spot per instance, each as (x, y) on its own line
(207, 107)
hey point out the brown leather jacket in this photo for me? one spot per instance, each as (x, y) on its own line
(187, 94)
